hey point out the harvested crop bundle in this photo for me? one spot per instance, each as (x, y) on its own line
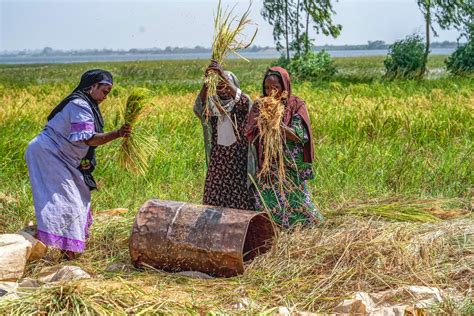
(228, 38)
(135, 149)
(271, 111)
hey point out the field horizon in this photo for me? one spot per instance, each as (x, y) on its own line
(393, 164)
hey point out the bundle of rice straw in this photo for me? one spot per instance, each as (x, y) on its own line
(135, 149)
(271, 111)
(228, 37)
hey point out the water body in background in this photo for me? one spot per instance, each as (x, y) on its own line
(271, 54)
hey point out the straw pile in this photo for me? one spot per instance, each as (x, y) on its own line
(330, 262)
(271, 111)
(135, 149)
(228, 38)
(309, 270)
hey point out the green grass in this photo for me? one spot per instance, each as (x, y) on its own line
(397, 150)
(372, 138)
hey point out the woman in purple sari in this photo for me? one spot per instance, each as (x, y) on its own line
(61, 160)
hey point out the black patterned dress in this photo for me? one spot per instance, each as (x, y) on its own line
(226, 179)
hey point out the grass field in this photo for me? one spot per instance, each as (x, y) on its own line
(395, 153)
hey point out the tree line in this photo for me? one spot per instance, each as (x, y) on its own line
(292, 21)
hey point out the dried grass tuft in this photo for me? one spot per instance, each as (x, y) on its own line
(229, 37)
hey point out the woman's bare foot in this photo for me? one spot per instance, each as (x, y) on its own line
(69, 255)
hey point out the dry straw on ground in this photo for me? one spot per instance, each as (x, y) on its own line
(312, 270)
(327, 263)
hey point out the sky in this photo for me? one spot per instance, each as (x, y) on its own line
(126, 24)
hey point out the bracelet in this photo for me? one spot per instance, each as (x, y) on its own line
(238, 94)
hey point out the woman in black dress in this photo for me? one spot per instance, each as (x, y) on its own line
(229, 160)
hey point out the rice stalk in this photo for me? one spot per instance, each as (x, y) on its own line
(228, 38)
(271, 111)
(135, 105)
(135, 150)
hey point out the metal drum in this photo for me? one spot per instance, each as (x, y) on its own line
(176, 236)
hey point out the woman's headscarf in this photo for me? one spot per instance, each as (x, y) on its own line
(224, 126)
(215, 105)
(215, 102)
(293, 106)
(88, 79)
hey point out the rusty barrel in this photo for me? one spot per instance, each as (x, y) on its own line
(177, 236)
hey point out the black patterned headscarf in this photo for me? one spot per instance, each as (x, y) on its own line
(88, 79)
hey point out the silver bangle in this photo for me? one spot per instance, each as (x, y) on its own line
(238, 94)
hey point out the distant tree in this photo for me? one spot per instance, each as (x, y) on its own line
(445, 44)
(47, 50)
(462, 60)
(286, 17)
(318, 13)
(446, 14)
(199, 48)
(459, 16)
(376, 45)
(277, 13)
